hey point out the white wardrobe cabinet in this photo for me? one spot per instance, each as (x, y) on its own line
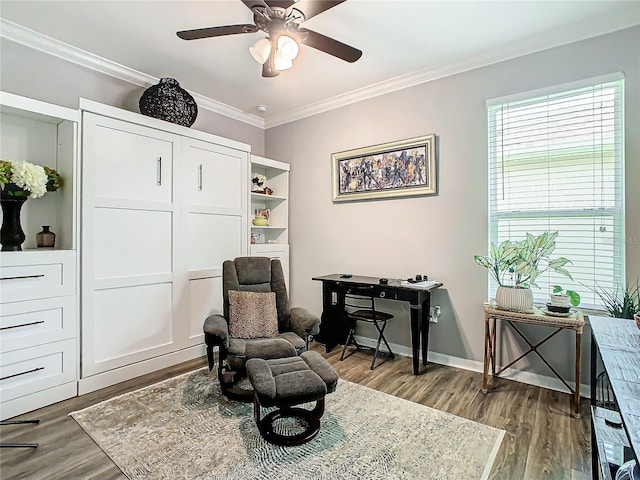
(162, 207)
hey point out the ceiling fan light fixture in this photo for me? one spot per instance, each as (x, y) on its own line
(288, 48)
(281, 63)
(260, 50)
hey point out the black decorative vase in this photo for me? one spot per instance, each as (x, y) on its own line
(11, 235)
(170, 102)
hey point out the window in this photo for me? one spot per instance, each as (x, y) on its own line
(556, 163)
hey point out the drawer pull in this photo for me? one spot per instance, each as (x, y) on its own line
(200, 177)
(159, 172)
(22, 325)
(21, 277)
(21, 373)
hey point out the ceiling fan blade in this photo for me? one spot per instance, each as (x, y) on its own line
(216, 31)
(311, 8)
(329, 45)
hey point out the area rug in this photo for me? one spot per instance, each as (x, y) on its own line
(184, 428)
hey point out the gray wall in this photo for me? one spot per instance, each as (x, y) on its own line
(437, 235)
(28, 72)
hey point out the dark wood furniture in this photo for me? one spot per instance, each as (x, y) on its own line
(616, 341)
(334, 326)
(573, 322)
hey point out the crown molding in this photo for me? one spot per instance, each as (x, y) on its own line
(43, 43)
(30, 38)
(423, 76)
(370, 91)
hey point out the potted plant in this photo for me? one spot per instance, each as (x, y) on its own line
(621, 304)
(20, 181)
(564, 298)
(515, 266)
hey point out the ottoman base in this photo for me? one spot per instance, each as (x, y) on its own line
(310, 417)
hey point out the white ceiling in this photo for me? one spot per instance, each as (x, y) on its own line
(404, 42)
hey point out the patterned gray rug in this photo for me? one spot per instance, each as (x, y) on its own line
(184, 428)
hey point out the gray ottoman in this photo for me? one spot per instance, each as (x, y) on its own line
(286, 382)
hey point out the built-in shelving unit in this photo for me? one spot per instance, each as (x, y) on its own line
(38, 290)
(272, 240)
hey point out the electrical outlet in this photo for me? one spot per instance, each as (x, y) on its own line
(434, 313)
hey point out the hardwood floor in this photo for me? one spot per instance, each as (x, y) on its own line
(542, 441)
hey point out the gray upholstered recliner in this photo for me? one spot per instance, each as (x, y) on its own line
(295, 325)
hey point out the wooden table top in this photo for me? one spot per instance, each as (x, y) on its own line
(538, 316)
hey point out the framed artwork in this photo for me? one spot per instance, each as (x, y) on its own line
(396, 169)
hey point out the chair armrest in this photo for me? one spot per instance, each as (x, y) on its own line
(303, 322)
(216, 326)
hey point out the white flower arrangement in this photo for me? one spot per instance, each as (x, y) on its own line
(28, 179)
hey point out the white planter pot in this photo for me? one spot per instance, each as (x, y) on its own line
(560, 300)
(514, 299)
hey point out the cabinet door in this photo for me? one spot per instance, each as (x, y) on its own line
(214, 176)
(129, 295)
(130, 161)
(214, 223)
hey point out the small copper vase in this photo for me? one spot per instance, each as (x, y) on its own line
(46, 238)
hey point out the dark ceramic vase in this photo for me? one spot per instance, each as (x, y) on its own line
(11, 235)
(170, 102)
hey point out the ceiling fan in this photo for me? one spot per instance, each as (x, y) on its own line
(281, 20)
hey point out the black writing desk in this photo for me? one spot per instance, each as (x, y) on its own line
(334, 328)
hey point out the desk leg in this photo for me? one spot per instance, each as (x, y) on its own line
(425, 323)
(487, 355)
(576, 397)
(415, 338)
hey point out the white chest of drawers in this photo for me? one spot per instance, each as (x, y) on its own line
(38, 329)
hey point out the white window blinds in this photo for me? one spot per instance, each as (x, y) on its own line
(556, 164)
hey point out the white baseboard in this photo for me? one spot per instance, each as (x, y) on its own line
(543, 381)
(106, 379)
(33, 401)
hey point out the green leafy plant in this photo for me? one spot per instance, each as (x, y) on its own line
(574, 297)
(519, 264)
(621, 304)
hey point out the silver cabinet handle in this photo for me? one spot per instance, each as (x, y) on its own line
(22, 373)
(23, 325)
(200, 177)
(159, 172)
